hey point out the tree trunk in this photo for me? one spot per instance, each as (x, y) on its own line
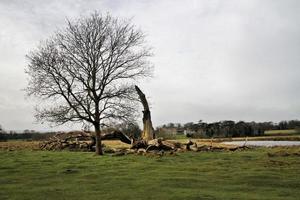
(116, 135)
(148, 131)
(98, 140)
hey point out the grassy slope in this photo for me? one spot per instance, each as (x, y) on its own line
(249, 174)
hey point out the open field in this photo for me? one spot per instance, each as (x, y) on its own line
(261, 173)
(273, 138)
(215, 141)
(19, 145)
(282, 132)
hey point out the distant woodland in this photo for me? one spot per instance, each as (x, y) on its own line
(226, 128)
(200, 129)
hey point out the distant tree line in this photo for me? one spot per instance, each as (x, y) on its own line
(229, 128)
(226, 128)
(25, 135)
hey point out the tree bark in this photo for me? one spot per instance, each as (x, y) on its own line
(98, 140)
(116, 135)
(148, 131)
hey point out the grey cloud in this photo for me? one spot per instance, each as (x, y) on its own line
(213, 60)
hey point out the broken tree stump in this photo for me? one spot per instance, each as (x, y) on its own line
(148, 131)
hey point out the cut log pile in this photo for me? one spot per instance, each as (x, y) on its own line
(85, 141)
(156, 144)
(80, 141)
(75, 140)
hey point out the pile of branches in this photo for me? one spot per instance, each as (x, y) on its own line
(80, 141)
(159, 145)
(75, 140)
(156, 145)
(85, 141)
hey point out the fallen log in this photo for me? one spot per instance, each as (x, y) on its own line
(158, 144)
(117, 135)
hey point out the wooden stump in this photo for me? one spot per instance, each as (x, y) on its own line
(148, 131)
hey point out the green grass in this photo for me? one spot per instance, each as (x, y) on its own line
(252, 174)
(281, 132)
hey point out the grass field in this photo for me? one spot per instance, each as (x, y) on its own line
(282, 132)
(253, 174)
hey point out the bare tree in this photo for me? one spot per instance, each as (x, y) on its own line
(86, 72)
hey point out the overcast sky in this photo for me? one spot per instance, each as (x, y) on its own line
(214, 60)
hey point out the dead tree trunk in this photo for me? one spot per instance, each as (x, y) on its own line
(116, 135)
(148, 131)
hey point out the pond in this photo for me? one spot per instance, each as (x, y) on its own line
(264, 143)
